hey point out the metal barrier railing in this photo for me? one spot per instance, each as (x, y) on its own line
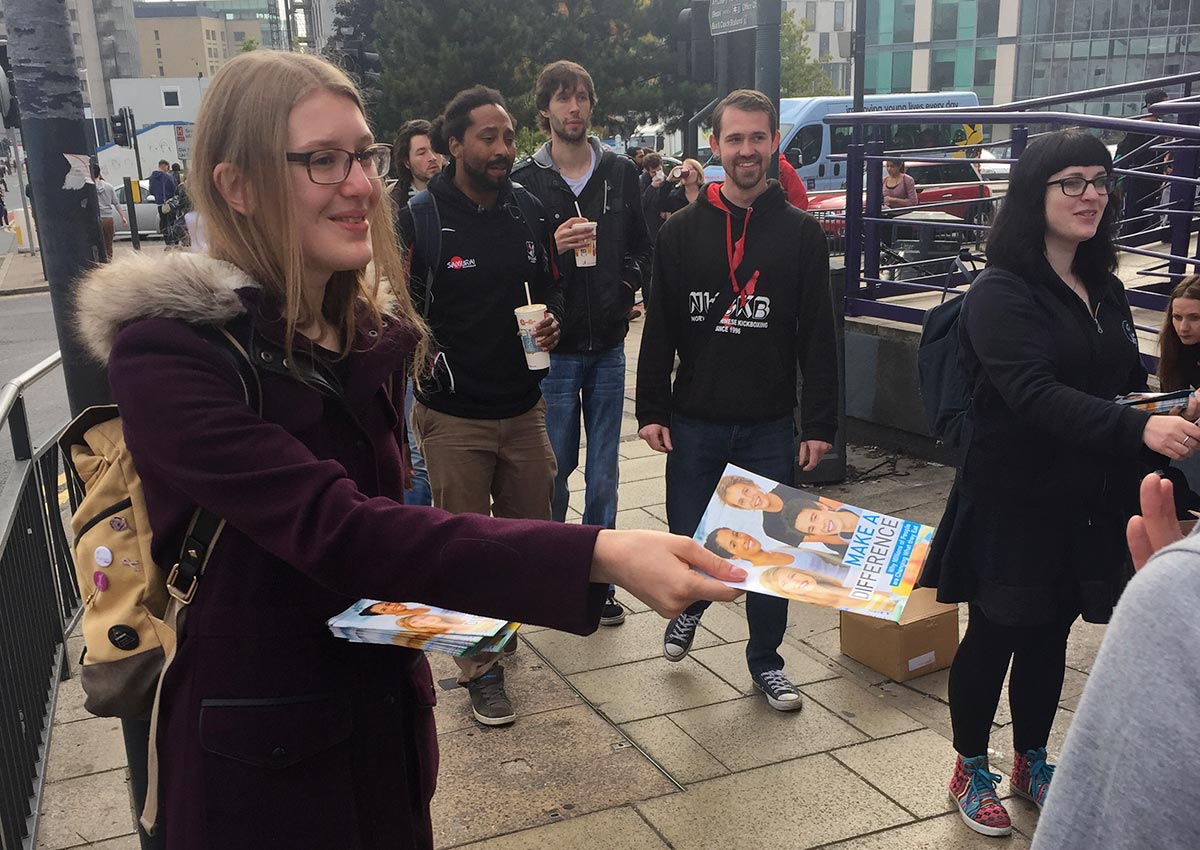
(39, 603)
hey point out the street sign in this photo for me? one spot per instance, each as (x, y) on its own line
(726, 16)
(183, 141)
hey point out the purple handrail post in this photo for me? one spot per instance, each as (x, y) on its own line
(854, 213)
(870, 230)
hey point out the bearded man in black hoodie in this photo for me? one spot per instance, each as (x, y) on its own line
(479, 417)
(741, 294)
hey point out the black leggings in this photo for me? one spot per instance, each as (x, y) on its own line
(1039, 660)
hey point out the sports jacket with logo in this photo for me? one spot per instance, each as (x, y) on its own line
(487, 256)
(597, 299)
(743, 368)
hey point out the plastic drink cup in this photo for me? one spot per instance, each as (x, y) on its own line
(528, 318)
(586, 256)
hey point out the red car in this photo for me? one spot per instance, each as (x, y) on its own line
(937, 183)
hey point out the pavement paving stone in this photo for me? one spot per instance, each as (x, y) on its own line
(933, 684)
(792, 805)
(633, 604)
(913, 769)
(947, 832)
(748, 733)
(678, 752)
(640, 637)
(729, 662)
(652, 467)
(650, 688)
(640, 518)
(531, 684)
(903, 499)
(493, 784)
(86, 746)
(68, 706)
(658, 509)
(616, 829)
(866, 711)
(125, 842)
(637, 447)
(1083, 644)
(829, 644)
(929, 711)
(1002, 740)
(727, 621)
(83, 810)
(806, 620)
(640, 494)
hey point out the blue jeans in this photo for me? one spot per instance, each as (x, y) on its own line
(593, 384)
(419, 493)
(700, 451)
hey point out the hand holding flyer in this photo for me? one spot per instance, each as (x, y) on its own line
(799, 546)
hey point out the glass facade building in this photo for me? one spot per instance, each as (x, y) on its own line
(1072, 45)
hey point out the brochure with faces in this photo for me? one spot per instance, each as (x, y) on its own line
(797, 545)
(419, 626)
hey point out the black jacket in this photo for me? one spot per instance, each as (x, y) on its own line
(597, 299)
(487, 255)
(1035, 524)
(744, 369)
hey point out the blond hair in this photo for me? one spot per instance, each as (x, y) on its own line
(243, 121)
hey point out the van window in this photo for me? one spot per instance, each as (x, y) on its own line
(809, 142)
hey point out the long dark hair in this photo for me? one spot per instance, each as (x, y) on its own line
(1017, 241)
(1172, 370)
(400, 150)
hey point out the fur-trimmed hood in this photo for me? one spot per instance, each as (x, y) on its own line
(176, 285)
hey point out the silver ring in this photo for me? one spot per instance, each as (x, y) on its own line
(1186, 439)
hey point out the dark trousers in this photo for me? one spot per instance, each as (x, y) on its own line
(701, 450)
(1039, 659)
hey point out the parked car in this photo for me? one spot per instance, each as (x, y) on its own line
(147, 213)
(950, 183)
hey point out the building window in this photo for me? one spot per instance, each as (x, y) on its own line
(823, 48)
(987, 24)
(810, 14)
(161, 72)
(158, 53)
(941, 70)
(156, 35)
(985, 73)
(74, 15)
(839, 18)
(170, 98)
(239, 37)
(902, 72)
(904, 22)
(945, 19)
(75, 37)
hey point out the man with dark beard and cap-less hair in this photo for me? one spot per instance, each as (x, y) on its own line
(475, 241)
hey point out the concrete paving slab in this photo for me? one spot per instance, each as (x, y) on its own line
(650, 468)
(913, 769)
(1002, 741)
(1083, 644)
(84, 810)
(632, 603)
(125, 842)
(635, 448)
(933, 684)
(658, 509)
(638, 638)
(729, 662)
(640, 518)
(531, 685)
(866, 711)
(927, 710)
(806, 620)
(793, 805)
(1024, 815)
(68, 707)
(727, 621)
(748, 733)
(616, 829)
(640, 494)
(650, 688)
(829, 644)
(87, 746)
(678, 753)
(494, 784)
(903, 499)
(947, 832)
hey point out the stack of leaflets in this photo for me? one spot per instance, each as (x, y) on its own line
(1172, 402)
(797, 545)
(420, 626)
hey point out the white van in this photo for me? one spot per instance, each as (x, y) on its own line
(808, 142)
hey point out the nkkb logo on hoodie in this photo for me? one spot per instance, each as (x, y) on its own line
(749, 314)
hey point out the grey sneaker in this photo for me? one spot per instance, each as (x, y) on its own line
(489, 702)
(781, 693)
(679, 636)
(612, 613)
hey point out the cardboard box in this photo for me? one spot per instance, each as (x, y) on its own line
(924, 640)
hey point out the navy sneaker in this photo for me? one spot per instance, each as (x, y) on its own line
(679, 636)
(781, 693)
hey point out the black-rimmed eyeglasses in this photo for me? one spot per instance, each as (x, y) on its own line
(332, 165)
(1073, 187)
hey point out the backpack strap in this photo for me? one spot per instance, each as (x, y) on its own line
(529, 214)
(198, 543)
(428, 229)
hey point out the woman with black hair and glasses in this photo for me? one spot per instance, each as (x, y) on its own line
(1033, 533)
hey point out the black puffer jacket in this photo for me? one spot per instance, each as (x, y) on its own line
(598, 299)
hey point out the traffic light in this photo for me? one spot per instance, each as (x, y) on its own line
(693, 43)
(10, 110)
(121, 126)
(362, 63)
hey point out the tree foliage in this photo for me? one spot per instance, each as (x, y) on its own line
(800, 73)
(431, 49)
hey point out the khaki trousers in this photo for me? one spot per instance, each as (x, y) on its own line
(504, 467)
(107, 228)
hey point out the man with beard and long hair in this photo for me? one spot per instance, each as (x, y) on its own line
(741, 294)
(479, 417)
(592, 196)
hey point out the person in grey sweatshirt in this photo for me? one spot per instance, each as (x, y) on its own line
(1127, 776)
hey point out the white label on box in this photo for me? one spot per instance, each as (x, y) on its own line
(921, 661)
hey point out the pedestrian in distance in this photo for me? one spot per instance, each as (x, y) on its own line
(1137, 151)
(1047, 344)
(108, 210)
(479, 418)
(685, 186)
(271, 731)
(594, 209)
(741, 295)
(162, 189)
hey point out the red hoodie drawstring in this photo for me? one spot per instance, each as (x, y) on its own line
(734, 251)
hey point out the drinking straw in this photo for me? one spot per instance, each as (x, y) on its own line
(577, 210)
(528, 300)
